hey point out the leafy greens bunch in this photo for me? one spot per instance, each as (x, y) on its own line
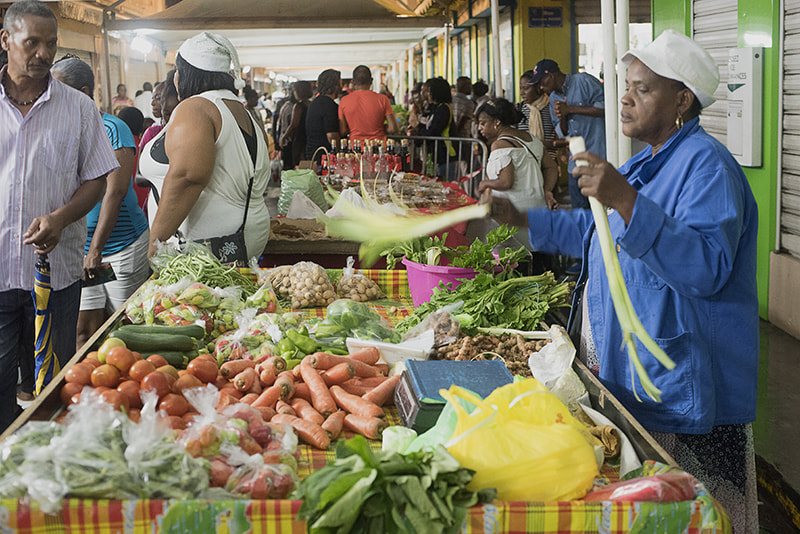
(430, 250)
(374, 491)
(490, 301)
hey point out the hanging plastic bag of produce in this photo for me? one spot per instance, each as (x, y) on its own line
(300, 180)
(311, 286)
(523, 441)
(357, 286)
(302, 207)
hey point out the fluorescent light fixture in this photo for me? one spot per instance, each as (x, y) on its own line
(245, 69)
(142, 45)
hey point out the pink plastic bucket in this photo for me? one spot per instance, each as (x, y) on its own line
(423, 279)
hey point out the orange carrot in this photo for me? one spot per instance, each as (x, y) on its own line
(301, 391)
(323, 360)
(269, 397)
(383, 393)
(266, 412)
(368, 355)
(285, 408)
(249, 398)
(276, 362)
(338, 373)
(320, 396)
(383, 368)
(232, 368)
(369, 427)
(354, 387)
(372, 381)
(304, 410)
(286, 382)
(333, 424)
(355, 404)
(256, 388)
(245, 379)
(225, 400)
(232, 391)
(309, 432)
(266, 376)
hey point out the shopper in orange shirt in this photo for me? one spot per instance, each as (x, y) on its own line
(363, 113)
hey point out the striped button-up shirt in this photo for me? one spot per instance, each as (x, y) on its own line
(44, 157)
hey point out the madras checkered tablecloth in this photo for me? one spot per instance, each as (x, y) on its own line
(80, 516)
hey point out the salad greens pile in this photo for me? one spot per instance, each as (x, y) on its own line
(377, 491)
(347, 318)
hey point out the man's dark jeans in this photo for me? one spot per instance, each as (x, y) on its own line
(17, 337)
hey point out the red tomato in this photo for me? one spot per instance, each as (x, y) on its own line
(140, 369)
(187, 381)
(95, 363)
(68, 390)
(80, 373)
(174, 404)
(130, 388)
(122, 358)
(105, 375)
(116, 399)
(157, 360)
(204, 370)
(157, 382)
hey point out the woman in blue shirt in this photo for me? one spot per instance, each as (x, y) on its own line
(684, 221)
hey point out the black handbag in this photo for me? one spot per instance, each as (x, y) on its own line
(231, 248)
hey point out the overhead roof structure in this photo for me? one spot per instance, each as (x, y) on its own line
(298, 38)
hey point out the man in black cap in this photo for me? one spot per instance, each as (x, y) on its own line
(577, 108)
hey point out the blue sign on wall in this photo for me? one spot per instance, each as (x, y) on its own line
(545, 17)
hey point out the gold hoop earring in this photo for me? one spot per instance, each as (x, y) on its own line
(679, 121)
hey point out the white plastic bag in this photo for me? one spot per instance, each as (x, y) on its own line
(302, 207)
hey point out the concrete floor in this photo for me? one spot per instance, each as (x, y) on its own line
(776, 432)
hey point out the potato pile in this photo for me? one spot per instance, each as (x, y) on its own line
(513, 350)
(311, 286)
(359, 288)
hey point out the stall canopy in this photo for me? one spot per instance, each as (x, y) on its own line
(295, 37)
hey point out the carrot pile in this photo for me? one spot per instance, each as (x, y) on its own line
(319, 398)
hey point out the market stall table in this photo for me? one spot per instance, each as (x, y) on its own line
(135, 516)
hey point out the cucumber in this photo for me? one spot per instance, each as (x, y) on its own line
(154, 342)
(195, 331)
(176, 359)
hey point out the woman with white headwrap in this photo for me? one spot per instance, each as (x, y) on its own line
(201, 163)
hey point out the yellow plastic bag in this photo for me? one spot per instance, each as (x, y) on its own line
(523, 441)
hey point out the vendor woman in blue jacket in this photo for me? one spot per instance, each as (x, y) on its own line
(684, 222)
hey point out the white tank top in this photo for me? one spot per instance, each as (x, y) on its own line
(528, 189)
(220, 208)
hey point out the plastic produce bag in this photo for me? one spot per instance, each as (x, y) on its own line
(442, 322)
(302, 207)
(280, 280)
(357, 286)
(523, 441)
(300, 180)
(311, 286)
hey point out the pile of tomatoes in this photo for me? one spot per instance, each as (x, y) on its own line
(120, 374)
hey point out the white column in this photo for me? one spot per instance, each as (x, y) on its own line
(623, 42)
(410, 71)
(447, 52)
(610, 82)
(498, 71)
(425, 63)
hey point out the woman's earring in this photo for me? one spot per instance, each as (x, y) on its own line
(679, 121)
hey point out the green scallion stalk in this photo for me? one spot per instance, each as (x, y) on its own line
(626, 315)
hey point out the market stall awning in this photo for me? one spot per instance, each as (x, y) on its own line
(251, 14)
(298, 38)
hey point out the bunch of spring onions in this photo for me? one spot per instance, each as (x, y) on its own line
(378, 227)
(626, 315)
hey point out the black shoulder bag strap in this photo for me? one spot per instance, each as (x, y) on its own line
(521, 142)
(252, 148)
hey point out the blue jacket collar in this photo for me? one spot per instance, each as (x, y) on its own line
(643, 166)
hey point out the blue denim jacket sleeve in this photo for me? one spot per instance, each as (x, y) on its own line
(560, 231)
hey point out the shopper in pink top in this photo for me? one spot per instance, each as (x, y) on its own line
(363, 113)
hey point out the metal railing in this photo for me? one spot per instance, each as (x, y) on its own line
(468, 165)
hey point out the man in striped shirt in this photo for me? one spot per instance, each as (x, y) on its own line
(54, 157)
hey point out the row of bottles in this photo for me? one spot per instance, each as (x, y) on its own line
(368, 159)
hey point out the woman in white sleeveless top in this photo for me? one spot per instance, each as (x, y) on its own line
(515, 169)
(202, 161)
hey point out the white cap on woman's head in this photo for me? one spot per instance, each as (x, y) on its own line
(214, 53)
(675, 56)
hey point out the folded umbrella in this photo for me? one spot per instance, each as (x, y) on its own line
(45, 359)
